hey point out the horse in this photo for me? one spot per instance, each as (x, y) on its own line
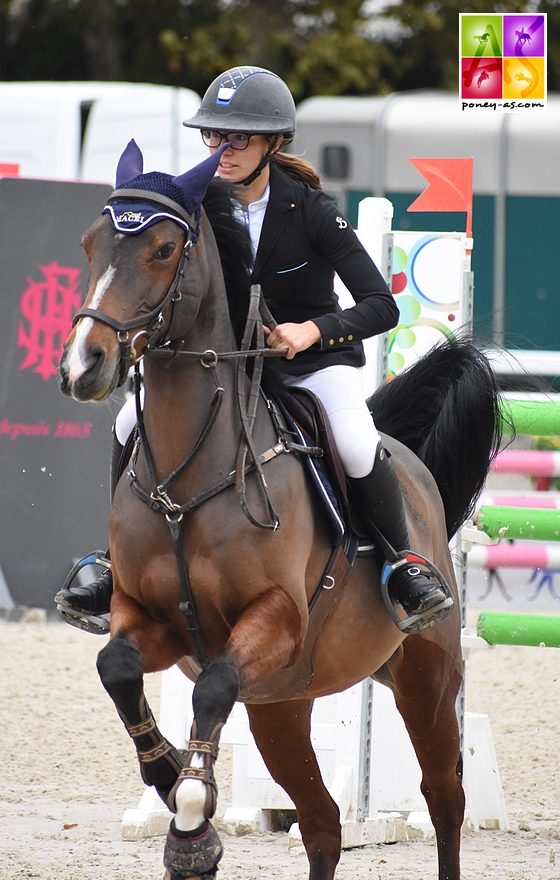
(222, 552)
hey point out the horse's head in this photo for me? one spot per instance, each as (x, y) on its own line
(136, 252)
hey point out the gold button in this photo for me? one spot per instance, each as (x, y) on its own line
(331, 341)
(341, 339)
(350, 338)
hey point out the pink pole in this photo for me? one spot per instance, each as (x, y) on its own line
(519, 555)
(537, 499)
(535, 463)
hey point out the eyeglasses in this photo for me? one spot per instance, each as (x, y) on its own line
(236, 139)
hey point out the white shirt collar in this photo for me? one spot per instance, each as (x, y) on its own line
(253, 217)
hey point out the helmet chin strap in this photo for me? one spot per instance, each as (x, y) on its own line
(278, 141)
(260, 167)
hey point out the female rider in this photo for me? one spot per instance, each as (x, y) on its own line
(300, 239)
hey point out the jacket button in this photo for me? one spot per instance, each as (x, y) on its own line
(341, 339)
(331, 341)
(350, 338)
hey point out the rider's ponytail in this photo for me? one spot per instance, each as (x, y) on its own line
(298, 168)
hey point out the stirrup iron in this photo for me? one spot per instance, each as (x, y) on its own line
(98, 624)
(415, 622)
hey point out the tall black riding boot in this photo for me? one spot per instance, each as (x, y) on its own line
(380, 500)
(95, 598)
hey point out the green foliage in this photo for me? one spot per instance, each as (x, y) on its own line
(425, 39)
(329, 47)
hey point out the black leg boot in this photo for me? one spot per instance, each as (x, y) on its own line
(417, 589)
(93, 600)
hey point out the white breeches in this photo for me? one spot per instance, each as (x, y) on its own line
(126, 418)
(340, 390)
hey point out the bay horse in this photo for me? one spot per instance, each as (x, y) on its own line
(221, 547)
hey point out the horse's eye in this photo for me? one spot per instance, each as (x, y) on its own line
(165, 251)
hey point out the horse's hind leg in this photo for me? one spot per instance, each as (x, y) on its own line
(282, 733)
(426, 683)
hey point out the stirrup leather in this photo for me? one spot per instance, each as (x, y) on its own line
(415, 622)
(98, 624)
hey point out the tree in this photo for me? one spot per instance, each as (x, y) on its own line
(424, 41)
(318, 46)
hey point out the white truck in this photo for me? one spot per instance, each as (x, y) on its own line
(77, 130)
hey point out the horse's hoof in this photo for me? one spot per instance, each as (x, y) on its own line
(210, 876)
(191, 855)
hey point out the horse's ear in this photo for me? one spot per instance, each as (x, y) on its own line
(131, 164)
(195, 182)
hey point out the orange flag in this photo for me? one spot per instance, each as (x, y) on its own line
(449, 186)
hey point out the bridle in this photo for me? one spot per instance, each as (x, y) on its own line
(156, 494)
(153, 321)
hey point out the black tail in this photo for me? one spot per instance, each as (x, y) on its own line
(445, 408)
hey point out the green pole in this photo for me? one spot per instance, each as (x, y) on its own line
(519, 629)
(509, 523)
(530, 416)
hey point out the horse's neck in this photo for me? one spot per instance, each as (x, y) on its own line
(181, 394)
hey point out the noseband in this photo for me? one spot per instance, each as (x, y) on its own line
(152, 321)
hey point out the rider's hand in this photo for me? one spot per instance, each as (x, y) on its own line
(293, 337)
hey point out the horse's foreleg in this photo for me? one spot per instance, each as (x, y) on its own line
(193, 847)
(194, 794)
(187, 854)
(120, 668)
(425, 695)
(265, 638)
(282, 733)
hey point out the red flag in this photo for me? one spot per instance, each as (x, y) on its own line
(9, 169)
(449, 186)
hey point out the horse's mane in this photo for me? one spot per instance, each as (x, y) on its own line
(234, 246)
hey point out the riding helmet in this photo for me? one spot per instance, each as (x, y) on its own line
(247, 99)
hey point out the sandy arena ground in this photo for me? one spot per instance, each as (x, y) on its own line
(69, 771)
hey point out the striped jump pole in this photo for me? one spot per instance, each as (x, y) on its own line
(520, 555)
(550, 500)
(530, 417)
(498, 628)
(530, 462)
(512, 523)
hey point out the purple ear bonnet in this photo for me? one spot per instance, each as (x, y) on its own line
(130, 214)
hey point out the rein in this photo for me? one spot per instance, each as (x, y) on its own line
(157, 496)
(158, 492)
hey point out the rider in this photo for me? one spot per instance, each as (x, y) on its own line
(300, 239)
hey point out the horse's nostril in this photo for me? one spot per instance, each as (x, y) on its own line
(95, 355)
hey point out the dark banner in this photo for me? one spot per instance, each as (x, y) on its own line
(54, 452)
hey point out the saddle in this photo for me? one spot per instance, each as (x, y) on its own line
(304, 412)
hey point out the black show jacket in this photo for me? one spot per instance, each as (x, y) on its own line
(305, 239)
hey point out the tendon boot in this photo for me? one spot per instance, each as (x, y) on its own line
(87, 606)
(407, 577)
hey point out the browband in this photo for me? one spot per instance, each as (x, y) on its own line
(154, 197)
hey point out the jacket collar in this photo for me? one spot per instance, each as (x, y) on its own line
(285, 199)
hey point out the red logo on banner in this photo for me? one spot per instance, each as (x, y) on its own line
(47, 307)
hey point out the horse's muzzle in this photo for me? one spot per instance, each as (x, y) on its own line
(94, 382)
